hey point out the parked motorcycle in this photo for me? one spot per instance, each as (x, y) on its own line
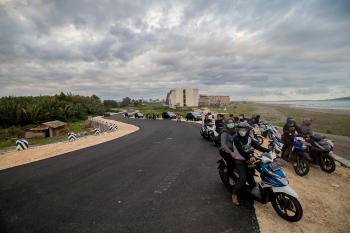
(268, 131)
(316, 150)
(276, 144)
(273, 188)
(209, 132)
(255, 136)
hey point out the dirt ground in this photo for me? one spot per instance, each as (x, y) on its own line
(325, 199)
(15, 158)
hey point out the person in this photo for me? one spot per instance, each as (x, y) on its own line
(305, 127)
(243, 147)
(219, 123)
(255, 120)
(226, 149)
(242, 118)
(290, 129)
(236, 119)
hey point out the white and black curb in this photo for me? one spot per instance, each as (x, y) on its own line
(72, 137)
(22, 144)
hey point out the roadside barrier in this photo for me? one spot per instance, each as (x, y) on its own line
(97, 131)
(103, 126)
(113, 127)
(72, 137)
(22, 144)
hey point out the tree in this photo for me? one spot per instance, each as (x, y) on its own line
(126, 102)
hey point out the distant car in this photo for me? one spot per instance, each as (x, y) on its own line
(193, 116)
(138, 115)
(106, 114)
(126, 114)
(168, 115)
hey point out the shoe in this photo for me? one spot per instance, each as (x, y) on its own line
(235, 199)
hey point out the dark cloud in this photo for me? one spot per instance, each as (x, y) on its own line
(245, 49)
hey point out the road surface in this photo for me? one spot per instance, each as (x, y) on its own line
(162, 178)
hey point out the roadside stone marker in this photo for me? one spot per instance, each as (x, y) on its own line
(22, 144)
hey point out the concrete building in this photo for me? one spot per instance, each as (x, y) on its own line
(182, 97)
(213, 100)
(47, 129)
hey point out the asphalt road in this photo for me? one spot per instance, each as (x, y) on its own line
(162, 178)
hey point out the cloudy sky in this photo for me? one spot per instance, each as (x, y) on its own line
(253, 50)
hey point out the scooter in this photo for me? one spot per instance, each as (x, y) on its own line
(276, 144)
(273, 187)
(255, 136)
(316, 150)
(268, 131)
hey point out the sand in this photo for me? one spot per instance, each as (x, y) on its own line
(325, 199)
(16, 158)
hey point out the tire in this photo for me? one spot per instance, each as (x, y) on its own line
(223, 177)
(284, 204)
(327, 163)
(260, 139)
(301, 165)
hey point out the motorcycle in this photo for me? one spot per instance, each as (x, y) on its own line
(209, 132)
(276, 144)
(273, 188)
(255, 136)
(316, 150)
(268, 131)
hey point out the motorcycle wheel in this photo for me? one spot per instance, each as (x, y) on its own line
(286, 206)
(327, 163)
(260, 139)
(223, 177)
(301, 165)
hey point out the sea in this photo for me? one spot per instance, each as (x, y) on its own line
(320, 104)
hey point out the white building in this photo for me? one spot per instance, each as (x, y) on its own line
(183, 97)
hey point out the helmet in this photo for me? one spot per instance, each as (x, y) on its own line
(243, 129)
(307, 121)
(291, 121)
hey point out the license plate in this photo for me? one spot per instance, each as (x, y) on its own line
(275, 166)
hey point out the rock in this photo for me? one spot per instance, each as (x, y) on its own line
(336, 185)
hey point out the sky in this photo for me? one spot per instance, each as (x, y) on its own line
(249, 50)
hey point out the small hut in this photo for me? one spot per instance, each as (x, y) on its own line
(47, 129)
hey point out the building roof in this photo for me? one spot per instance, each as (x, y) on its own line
(38, 128)
(55, 124)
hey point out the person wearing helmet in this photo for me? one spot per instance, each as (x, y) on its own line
(243, 146)
(226, 150)
(219, 123)
(305, 127)
(242, 118)
(290, 130)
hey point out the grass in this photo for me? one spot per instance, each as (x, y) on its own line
(76, 127)
(236, 109)
(330, 123)
(149, 109)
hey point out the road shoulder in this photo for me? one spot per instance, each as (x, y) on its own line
(16, 158)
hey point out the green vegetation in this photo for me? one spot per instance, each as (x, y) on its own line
(9, 135)
(331, 123)
(236, 108)
(159, 109)
(20, 111)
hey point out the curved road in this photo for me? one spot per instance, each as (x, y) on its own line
(162, 178)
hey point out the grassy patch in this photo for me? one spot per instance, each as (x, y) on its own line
(10, 140)
(149, 109)
(330, 123)
(236, 109)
